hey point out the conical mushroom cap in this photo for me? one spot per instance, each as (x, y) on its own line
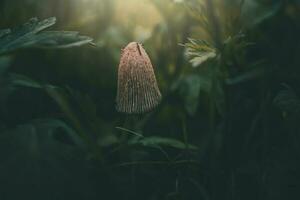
(137, 87)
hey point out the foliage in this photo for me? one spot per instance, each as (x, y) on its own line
(227, 127)
(28, 36)
(199, 52)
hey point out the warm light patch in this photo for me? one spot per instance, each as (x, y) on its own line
(141, 14)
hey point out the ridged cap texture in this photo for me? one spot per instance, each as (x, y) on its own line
(138, 91)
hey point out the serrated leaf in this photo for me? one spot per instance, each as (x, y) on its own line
(19, 36)
(60, 39)
(199, 51)
(30, 35)
(236, 39)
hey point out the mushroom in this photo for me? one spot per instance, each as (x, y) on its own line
(138, 91)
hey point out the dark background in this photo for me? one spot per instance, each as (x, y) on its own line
(240, 109)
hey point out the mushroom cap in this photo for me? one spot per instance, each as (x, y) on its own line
(138, 91)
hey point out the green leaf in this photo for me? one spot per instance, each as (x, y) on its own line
(53, 124)
(246, 76)
(24, 81)
(4, 32)
(60, 39)
(125, 130)
(155, 141)
(255, 12)
(219, 97)
(5, 62)
(66, 99)
(40, 154)
(199, 51)
(78, 120)
(189, 88)
(287, 100)
(30, 35)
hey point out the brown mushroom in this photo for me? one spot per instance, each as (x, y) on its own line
(137, 87)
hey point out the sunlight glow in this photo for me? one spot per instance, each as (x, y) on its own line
(140, 16)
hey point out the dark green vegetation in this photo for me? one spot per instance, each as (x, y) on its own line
(228, 126)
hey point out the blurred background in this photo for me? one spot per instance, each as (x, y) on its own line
(227, 127)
